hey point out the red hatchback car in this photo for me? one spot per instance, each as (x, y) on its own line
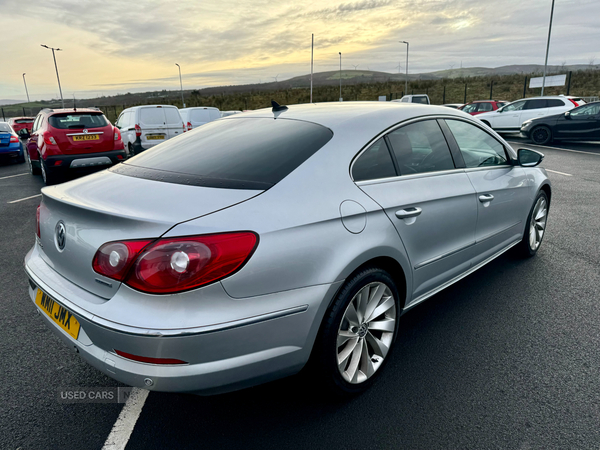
(21, 123)
(66, 140)
(481, 106)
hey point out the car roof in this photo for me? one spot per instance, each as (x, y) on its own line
(370, 117)
(71, 110)
(21, 118)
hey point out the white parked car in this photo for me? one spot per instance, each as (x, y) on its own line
(145, 126)
(199, 115)
(510, 117)
(417, 98)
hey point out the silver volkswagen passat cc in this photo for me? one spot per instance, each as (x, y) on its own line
(229, 256)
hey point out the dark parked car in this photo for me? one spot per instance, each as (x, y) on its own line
(581, 124)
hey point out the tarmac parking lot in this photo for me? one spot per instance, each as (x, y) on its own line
(507, 358)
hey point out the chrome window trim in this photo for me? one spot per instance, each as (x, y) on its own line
(412, 176)
(477, 169)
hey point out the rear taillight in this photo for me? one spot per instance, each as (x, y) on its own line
(114, 259)
(37, 222)
(117, 136)
(138, 131)
(573, 101)
(178, 264)
(49, 139)
(189, 126)
(184, 128)
(14, 139)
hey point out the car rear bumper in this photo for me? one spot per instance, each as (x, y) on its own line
(222, 356)
(86, 160)
(12, 150)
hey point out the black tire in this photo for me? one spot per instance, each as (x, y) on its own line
(50, 177)
(326, 348)
(131, 152)
(541, 135)
(525, 248)
(32, 169)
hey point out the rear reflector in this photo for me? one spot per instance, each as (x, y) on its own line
(58, 162)
(37, 221)
(149, 360)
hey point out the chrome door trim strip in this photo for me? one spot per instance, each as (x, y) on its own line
(137, 331)
(444, 255)
(477, 169)
(431, 293)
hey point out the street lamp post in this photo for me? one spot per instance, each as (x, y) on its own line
(340, 76)
(406, 80)
(547, 47)
(26, 91)
(56, 67)
(180, 84)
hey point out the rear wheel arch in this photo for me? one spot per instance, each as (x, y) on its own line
(391, 266)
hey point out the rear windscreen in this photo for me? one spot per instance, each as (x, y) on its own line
(77, 120)
(24, 121)
(152, 116)
(4, 127)
(244, 153)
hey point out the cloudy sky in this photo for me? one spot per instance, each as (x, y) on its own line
(116, 46)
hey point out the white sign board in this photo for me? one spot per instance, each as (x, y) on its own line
(382, 98)
(555, 80)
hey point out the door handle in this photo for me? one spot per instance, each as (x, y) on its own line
(486, 198)
(408, 212)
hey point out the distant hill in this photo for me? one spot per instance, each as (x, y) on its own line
(5, 101)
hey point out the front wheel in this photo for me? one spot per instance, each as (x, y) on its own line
(541, 135)
(359, 332)
(535, 228)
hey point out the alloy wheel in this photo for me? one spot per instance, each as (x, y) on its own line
(541, 135)
(366, 332)
(537, 226)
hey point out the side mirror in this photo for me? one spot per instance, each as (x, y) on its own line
(568, 115)
(529, 158)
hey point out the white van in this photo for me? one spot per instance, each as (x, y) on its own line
(145, 126)
(417, 98)
(194, 117)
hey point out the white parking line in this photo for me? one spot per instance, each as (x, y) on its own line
(123, 427)
(12, 176)
(560, 173)
(26, 198)
(555, 148)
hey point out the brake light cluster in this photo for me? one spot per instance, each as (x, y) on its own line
(49, 139)
(189, 126)
(138, 130)
(14, 139)
(170, 265)
(574, 102)
(117, 136)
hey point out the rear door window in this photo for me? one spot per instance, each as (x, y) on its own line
(421, 147)
(555, 102)
(152, 116)
(77, 121)
(536, 104)
(476, 146)
(173, 117)
(200, 115)
(485, 107)
(244, 153)
(374, 163)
